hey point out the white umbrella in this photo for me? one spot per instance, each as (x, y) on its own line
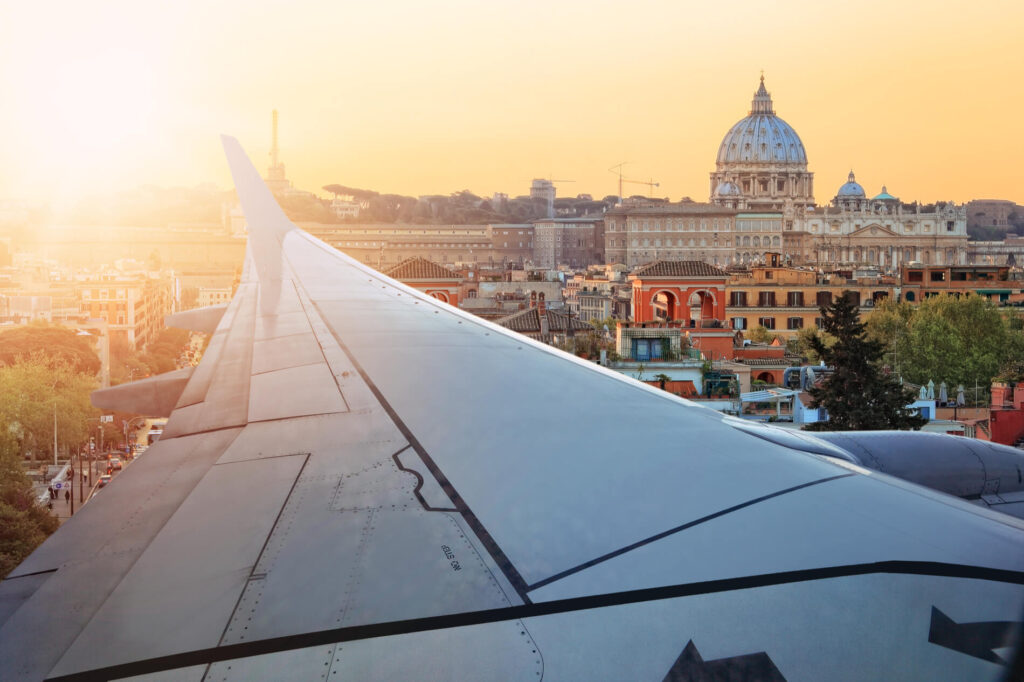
(931, 390)
(943, 395)
(810, 377)
(960, 401)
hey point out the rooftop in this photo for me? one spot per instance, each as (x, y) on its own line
(528, 322)
(420, 268)
(679, 268)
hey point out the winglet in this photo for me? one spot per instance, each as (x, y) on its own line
(262, 213)
(266, 221)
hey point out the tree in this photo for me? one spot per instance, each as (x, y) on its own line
(31, 391)
(760, 334)
(55, 344)
(858, 394)
(23, 523)
(959, 340)
(800, 344)
(662, 379)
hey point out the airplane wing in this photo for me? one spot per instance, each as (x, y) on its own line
(361, 482)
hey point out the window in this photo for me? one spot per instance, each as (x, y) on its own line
(739, 323)
(938, 275)
(766, 322)
(738, 298)
(824, 298)
(949, 226)
(766, 299)
(795, 323)
(795, 299)
(852, 297)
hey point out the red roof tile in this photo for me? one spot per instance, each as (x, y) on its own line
(680, 268)
(420, 268)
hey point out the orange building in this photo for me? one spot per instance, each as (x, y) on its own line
(133, 307)
(785, 299)
(689, 292)
(430, 278)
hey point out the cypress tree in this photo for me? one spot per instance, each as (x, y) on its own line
(859, 395)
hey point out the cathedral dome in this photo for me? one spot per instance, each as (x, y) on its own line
(762, 137)
(851, 190)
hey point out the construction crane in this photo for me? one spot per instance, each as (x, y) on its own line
(651, 184)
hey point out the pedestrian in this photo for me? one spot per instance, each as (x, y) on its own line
(50, 488)
(67, 496)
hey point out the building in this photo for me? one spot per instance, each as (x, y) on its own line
(785, 299)
(545, 190)
(762, 168)
(1010, 251)
(430, 278)
(543, 324)
(994, 213)
(882, 231)
(575, 242)
(383, 245)
(636, 233)
(762, 164)
(133, 307)
(594, 305)
(991, 281)
(690, 292)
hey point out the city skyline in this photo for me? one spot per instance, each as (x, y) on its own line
(411, 100)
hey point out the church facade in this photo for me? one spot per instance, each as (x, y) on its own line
(762, 201)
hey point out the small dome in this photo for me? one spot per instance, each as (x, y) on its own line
(728, 189)
(884, 196)
(851, 190)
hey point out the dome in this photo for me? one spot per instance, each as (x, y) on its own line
(884, 196)
(762, 137)
(728, 189)
(851, 190)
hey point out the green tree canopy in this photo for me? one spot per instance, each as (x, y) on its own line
(31, 391)
(800, 343)
(53, 343)
(858, 395)
(945, 338)
(23, 523)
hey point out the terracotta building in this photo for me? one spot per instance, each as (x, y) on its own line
(430, 278)
(690, 292)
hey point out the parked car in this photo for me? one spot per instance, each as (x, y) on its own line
(115, 464)
(104, 479)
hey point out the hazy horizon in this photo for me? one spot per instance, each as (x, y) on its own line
(407, 99)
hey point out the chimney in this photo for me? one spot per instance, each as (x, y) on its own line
(533, 299)
(542, 314)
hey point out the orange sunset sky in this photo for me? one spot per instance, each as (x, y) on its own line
(418, 98)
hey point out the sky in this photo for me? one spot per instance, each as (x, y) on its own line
(431, 98)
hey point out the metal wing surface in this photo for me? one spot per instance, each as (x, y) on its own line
(359, 481)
